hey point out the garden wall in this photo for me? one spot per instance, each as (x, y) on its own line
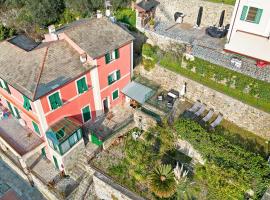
(243, 115)
(106, 189)
(211, 11)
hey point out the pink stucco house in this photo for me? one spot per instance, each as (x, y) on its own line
(52, 88)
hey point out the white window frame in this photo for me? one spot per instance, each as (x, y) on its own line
(88, 105)
(3, 83)
(48, 100)
(114, 74)
(118, 94)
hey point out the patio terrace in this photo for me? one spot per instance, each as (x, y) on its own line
(20, 139)
(108, 124)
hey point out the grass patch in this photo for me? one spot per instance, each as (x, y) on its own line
(229, 2)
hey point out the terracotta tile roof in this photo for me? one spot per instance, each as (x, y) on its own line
(97, 36)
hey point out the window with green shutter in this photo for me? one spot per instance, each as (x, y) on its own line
(36, 127)
(258, 16)
(16, 112)
(26, 103)
(116, 53)
(110, 79)
(10, 108)
(244, 13)
(55, 101)
(4, 85)
(107, 58)
(118, 75)
(81, 85)
(115, 94)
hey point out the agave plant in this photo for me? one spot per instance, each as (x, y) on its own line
(162, 182)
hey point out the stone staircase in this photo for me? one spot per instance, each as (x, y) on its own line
(83, 173)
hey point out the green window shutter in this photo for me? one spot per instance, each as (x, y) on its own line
(52, 102)
(1, 85)
(7, 88)
(107, 58)
(84, 85)
(115, 94)
(244, 13)
(86, 114)
(17, 113)
(116, 53)
(36, 128)
(55, 101)
(118, 75)
(110, 80)
(26, 103)
(10, 108)
(79, 86)
(258, 16)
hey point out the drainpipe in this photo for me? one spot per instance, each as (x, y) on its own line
(234, 20)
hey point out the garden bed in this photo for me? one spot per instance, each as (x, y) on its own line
(229, 172)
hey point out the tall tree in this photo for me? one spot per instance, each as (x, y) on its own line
(45, 12)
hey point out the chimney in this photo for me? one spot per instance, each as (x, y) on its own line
(83, 58)
(52, 36)
(99, 14)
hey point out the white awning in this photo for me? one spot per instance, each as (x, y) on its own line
(254, 46)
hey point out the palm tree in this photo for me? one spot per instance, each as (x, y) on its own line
(162, 182)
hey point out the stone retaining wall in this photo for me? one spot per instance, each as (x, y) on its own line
(243, 115)
(107, 189)
(211, 11)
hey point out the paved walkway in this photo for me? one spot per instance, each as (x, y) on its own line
(210, 49)
(9, 180)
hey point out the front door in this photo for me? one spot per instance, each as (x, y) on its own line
(55, 162)
(86, 113)
(105, 105)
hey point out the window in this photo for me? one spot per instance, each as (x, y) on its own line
(36, 128)
(55, 101)
(60, 133)
(115, 94)
(4, 85)
(65, 147)
(73, 139)
(26, 103)
(79, 133)
(114, 77)
(109, 57)
(251, 14)
(81, 85)
(14, 111)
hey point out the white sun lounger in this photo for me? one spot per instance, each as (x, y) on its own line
(217, 121)
(195, 107)
(208, 116)
(200, 111)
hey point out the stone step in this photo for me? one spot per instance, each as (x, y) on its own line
(83, 187)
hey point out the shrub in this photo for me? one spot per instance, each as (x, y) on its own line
(126, 15)
(6, 32)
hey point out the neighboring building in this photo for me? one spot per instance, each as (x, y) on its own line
(249, 33)
(73, 76)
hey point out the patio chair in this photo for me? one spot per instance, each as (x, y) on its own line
(195, 107)
(200, 111)
(208, 116)
(217, 121)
